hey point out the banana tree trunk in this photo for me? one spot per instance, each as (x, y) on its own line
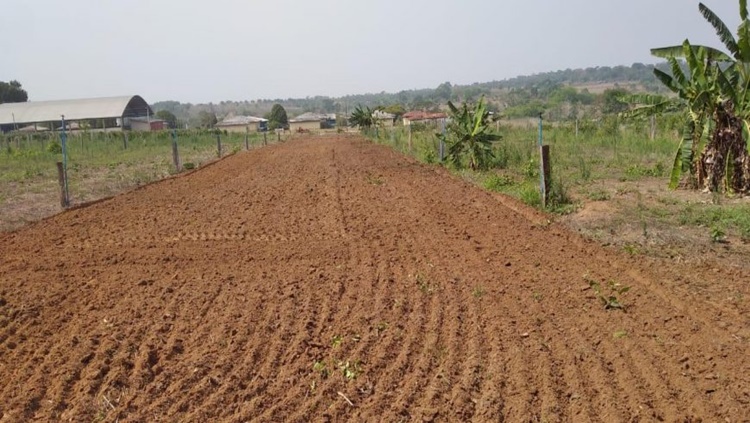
(723, 165)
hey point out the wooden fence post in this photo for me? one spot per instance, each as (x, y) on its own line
(409, 137)
(546, 173)
(278, 136)
(218, 144)
(125, 140)
(247, 135)
(64, 200)
(544, 166)
(265, 140)
(175, 152)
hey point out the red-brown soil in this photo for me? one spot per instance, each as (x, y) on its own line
(211, 297)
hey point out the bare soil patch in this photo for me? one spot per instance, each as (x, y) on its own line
(329, 279)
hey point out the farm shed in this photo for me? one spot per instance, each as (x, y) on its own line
(96, 113)
(243, 124)
(423, 117)
(312, 121)
(388, 120)
(147, 124)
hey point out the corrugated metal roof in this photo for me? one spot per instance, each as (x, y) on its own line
(241, 120)
(309, 117)
(420, 115)
(87, 108)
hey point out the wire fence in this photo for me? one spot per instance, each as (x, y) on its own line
(103, 163)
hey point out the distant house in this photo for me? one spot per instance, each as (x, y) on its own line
(388, 120)
(243, 124)
(423, 117)
(147, 124)
(312, 122)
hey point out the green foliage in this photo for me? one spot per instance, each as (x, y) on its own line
(363, 118)
(614, 100)
(395, 109)
(469, 137)
(54, 147)
(350, 369)
(717, 233)
(207, 119)
(12, 92)
(167, 116)
(608, 295)
(559, 199)
(717, 94)
(496, 182)
(277, 118)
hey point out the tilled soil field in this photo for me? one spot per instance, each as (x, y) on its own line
(335, 280)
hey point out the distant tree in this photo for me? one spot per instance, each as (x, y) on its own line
(167, 116)
(12, 92)
(614, 100)
(363, 117)
(207, 119)
(329, 106)
(395, 109)
(277, 118)
(444, 91)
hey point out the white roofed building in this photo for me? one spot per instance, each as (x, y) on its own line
(98, 113)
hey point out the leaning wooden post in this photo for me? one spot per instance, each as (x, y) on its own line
(247, 135)
(442, 142)
(409, 136)
(175, 152)
(64, 202)
(218, 144)
(652, 133)
(544, 166)
(63, 167)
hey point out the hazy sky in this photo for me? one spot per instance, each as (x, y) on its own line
(213, 50)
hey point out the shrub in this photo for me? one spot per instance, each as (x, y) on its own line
(54, 147)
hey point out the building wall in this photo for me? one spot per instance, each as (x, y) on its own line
(252, 127)
(307, 126)
(387, 123)
(140, 126)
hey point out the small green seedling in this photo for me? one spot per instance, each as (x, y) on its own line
(610, 298)
(478, 292)
(336, 341)
(424, 285)
(717, 234)
(350, 370)
(321, 368)
(620, 334)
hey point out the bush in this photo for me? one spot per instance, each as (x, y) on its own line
(54, 147)
(497, 182)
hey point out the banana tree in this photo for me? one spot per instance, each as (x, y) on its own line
(719, 104)
(697, 96)
(469, 135)
(364, 118)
